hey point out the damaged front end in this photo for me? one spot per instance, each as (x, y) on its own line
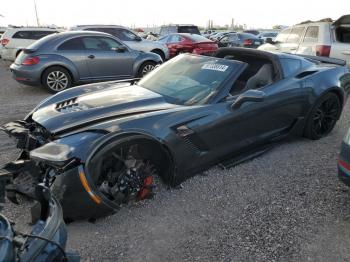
(46, 240)
(62, 159)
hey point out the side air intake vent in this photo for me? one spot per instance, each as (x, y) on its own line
(304, 74)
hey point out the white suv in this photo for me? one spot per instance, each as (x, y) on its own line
(15, 39)
(323, 38)
(129, 38)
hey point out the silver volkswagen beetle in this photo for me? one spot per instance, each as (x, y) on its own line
(62, 60)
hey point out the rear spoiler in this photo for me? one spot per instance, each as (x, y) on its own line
(28, 51)
(326, 60)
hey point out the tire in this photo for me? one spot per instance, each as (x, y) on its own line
(126, 173)
(56, 79)
(160, 53)
(323, 117)
(145, 68)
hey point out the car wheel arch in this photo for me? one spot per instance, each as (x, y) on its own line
(158, 146)
(73, 77)
(160, 52)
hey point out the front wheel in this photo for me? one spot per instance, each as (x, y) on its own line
(323, 117)
(126, 173)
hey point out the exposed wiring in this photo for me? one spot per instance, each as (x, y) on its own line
(65, 259)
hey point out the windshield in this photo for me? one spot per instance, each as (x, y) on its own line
(189, 79)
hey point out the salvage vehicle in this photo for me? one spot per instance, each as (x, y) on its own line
(48, 237)
(129, 38)
(59, 61)
(188, 43)
(321, 38)
(122, 139)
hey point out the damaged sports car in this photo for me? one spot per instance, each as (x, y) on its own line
(116, 142)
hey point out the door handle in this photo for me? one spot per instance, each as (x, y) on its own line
(345, 52)
(91, 56)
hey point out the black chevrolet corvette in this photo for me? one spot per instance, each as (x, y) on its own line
(111, 142)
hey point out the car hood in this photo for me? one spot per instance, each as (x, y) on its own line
(99, 105)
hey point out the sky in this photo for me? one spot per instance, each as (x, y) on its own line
(138, 13)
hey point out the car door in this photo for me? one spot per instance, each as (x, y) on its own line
(74, 51)
(107, 58)
(273, 112)
(174, 45)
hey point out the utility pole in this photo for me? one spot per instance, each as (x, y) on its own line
(36, 14)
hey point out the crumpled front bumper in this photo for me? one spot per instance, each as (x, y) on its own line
(73, 188)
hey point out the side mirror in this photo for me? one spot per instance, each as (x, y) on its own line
(269, 41)
(248, 96)
(137, 38)
(120, 49)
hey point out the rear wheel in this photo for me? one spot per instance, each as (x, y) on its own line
(56, 79)
(146, 68)
(323, 117)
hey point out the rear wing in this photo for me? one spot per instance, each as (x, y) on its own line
(325, 60)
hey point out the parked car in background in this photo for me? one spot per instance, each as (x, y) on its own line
(61, 60)
(240, 40)
(15, 39)
(129, 38)
(188, 43)
(253, 32)
(219, 35)
(266, 35)
(321, 38)
(172, 29)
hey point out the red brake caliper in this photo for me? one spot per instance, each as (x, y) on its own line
(146, 188)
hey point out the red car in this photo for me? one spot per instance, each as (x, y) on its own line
(188, 43)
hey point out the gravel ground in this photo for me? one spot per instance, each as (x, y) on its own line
(286, 205)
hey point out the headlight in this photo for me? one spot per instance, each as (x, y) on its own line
(52, 152)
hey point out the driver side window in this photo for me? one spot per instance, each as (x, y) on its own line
(100, 43)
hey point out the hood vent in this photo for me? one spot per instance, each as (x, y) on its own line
(70, 105)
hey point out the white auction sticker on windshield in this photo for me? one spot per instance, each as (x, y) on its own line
(215, 67)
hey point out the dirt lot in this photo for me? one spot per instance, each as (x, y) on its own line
(286, 205)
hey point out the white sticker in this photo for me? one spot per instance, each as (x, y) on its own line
(215, 67)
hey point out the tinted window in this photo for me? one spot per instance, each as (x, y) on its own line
(163, 39)
(290, 66)
(125, 35)
(282, 36)
(72, 44)
(100, 43)
(174, 39)
(269, 34)
(247, 36)
(104, 30)
(311, 35)
(33, 35)
(197, 38)
(189, 29)
(233, 37)
(295, 35)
